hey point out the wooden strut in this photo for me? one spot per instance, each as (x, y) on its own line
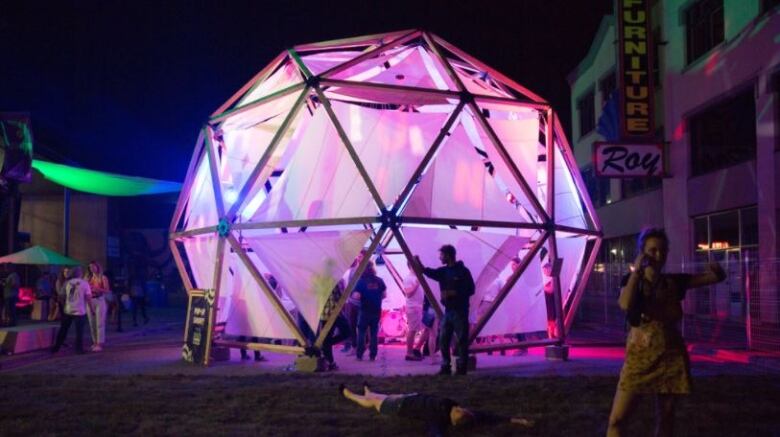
(193, 232)
(510, 283)
(417, 272)
(403, 39)
(257, 102)
(250, 86)
(580, 290)
(553, 242)
(215, 181)
(307, 223)
(349, 288)
(185, 278)
(250, 182)
(349, 42)
(407, 191)
(442, 60)
(529, 194)
(269, 294)
(188, 180)
(260, 346)
(217, 281)
(478, 348)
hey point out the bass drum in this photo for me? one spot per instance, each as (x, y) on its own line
(393, 324)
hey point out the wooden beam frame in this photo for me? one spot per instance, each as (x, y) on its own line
(269, 294)
(349, 289)
(417, 272)
(510, 283)
(270, 347)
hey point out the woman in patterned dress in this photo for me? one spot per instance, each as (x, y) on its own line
(656, 358)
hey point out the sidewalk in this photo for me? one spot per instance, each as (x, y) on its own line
(155, 349)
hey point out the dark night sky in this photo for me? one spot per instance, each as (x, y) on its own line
(123, 86)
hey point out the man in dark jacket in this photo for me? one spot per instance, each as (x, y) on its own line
(370, 290)
(457, 286)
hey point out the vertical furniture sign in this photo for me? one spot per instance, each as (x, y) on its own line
(636, 69)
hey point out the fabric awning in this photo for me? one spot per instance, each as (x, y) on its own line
(38, 255)
(102, 183)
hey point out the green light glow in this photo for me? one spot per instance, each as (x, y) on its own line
(101, 183)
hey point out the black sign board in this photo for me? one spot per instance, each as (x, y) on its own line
(199, 327)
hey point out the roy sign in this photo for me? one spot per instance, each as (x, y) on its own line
(628, 160)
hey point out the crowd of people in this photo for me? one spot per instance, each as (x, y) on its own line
(75, 296)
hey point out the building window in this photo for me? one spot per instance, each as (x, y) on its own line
(606, 86)
(724, 134)
(729, 238)
(635, 186)
(587, 113)
(598, 187)
(704, 27)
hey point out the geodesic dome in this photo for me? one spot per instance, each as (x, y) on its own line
(393, 144)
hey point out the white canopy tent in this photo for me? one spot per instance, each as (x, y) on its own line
(395, 143)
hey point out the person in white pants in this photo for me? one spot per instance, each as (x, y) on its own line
(98, 308)
(414, 310)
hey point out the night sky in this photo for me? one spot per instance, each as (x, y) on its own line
(124, 86)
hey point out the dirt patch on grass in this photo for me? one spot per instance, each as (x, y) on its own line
(298, 405)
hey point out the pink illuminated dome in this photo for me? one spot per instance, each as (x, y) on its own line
(391, 145)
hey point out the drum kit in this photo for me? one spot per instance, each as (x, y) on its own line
(393, 324)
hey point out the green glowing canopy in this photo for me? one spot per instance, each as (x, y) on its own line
(101, 183)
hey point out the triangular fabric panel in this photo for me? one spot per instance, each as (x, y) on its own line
(244, 305)
(412, 66)
(476, 82)
(321, 62)
(201, 208)
(571, 249)
(201, 253)
(308, 264)
(524, 308)
(242, 139)
(285, 76)
(517, 128)
(502, 172)
(569, 208)
(390, 144)
(459, 185)
(321, 180)
(485, 254)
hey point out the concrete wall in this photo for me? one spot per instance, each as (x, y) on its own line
(42, 217)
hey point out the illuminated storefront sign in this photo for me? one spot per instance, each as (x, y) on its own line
(636, 69)
(628, 160)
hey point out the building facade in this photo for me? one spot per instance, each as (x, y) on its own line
(717, 90)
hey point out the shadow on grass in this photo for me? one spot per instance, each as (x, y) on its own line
(309, 405)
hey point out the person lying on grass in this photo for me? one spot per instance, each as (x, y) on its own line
(439, 414)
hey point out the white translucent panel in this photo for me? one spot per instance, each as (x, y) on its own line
(485, 254)
(321, 180)
(388, 98)
(517, 128)
(244, 306)
(458, 184)
(523, 309)
(504, 176)
(201, 207)
(321, 62)
(571, 249)
(476, 82)
(201, 253)
(409, 66)
(308, 264)
(569, 209)
(242, 139)
(285, 76)
(365, 42)
(390, 144)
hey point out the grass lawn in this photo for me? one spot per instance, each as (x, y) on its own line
(308, 405)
